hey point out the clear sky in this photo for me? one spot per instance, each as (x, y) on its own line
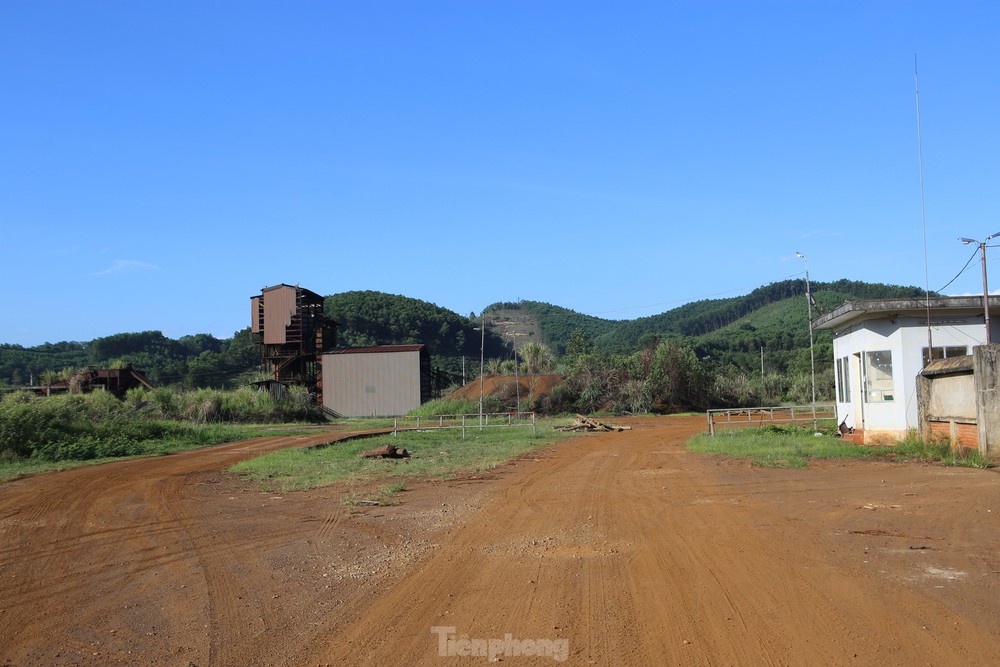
(162, 161)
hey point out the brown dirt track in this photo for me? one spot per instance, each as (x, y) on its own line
(631, 549)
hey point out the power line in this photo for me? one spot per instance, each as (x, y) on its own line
(974, 253)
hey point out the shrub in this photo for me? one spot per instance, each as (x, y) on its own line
(95, 425)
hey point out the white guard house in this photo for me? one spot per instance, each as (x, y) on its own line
(880, 346)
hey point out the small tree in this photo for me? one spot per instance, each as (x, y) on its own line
(535, 358)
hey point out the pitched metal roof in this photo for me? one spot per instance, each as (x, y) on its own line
(377, 349)
(950, 365)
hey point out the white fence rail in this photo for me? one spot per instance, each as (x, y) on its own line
(467, 422)
(783, 414)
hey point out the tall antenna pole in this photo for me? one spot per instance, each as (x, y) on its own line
(923, 215)
(812, 357)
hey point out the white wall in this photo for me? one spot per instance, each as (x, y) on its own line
(905, 338)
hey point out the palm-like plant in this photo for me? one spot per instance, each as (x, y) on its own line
(535, 358)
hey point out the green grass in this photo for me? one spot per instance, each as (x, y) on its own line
(384, 495)
(436, 454)
(792, 447)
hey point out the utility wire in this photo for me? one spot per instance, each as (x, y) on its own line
(974, 253)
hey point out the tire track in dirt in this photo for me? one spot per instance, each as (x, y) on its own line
(128, 551)
(637, 552)
(623, 545)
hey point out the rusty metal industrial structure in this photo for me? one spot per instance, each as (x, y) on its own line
(116, 381)
(292, 330)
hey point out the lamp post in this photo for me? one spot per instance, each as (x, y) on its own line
(986, 288)
(812, 357)
(482, 348)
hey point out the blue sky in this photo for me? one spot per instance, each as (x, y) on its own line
(161, 162)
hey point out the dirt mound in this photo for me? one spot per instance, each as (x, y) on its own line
(532, 386)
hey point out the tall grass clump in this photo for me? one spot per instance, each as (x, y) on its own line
(98, 425)
(939, 450)
(245, 405)
(460, 406)
(777, 446)
(74, 427)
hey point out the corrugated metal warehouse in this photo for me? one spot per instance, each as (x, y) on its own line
(383, 381)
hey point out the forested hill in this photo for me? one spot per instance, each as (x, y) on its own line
(367, 318)
(733, 331)
(701, 318)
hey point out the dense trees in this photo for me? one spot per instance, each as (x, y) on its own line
(730, 332)
(368, 318)
(743, 350)
(200, 360)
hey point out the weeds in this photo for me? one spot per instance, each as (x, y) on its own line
(438, 454)
(98, 426)
(775, 446)
(384, 496)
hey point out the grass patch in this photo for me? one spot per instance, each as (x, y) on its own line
(791, 447)
(436, 454)
(184, 437)
(387, 494)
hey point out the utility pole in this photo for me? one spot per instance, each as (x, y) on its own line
(482, 357)
(517, 378)
(812, 357)
(986, 288)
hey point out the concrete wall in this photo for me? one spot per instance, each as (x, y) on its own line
(947, 405)
(986, 364)
(953, 396)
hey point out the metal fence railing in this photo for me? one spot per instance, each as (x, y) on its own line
(466, 422)
(783, 414)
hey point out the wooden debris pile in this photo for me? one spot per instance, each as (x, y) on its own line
(592, 425)
(386, 452)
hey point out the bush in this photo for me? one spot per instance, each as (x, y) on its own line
(97, 425)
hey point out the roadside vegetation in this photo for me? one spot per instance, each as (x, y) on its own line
(434, 454)
(792, 447)
(45, 433)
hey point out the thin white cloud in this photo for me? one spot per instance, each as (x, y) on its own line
(123, 265)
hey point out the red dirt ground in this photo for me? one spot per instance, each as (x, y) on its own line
(531, 385)
(625, 546)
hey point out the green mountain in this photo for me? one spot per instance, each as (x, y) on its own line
(729, 332)
(367, 318)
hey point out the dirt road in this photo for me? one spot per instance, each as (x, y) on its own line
(612, 549)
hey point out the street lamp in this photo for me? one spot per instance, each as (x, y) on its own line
(812, 357)
(482, 348)
(986, 289)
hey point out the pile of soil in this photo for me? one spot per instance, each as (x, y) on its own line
(532, 386)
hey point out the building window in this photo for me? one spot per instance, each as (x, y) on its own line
(878, 377)
(946, 352)
(843, 380)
